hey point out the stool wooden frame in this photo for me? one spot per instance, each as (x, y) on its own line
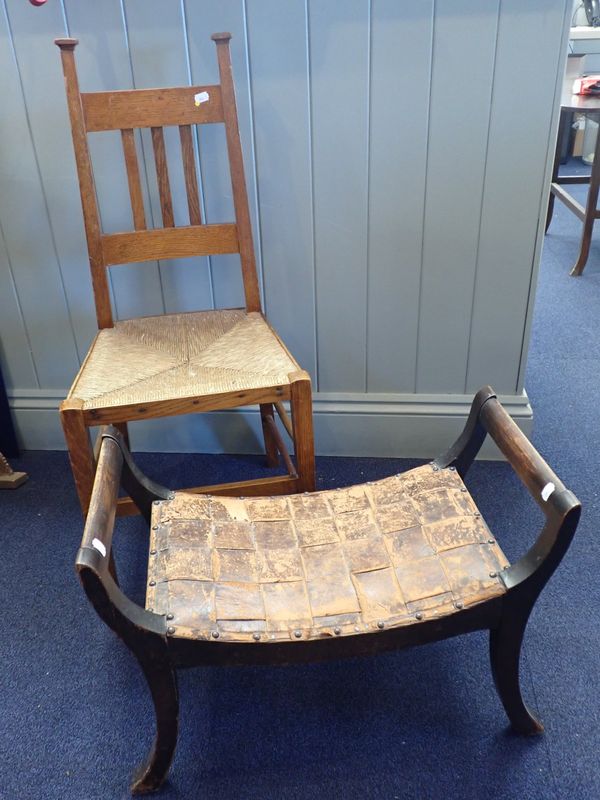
(155, 383)
(500, 601)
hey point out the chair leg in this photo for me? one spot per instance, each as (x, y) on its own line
(266, 410)
(556, 167)
(505, 653)
(162, 681)
(124, 430)
(304, 443)
(81, 454)
(590, 214)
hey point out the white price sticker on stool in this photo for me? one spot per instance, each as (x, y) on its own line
(201, 97)
(99, 546)
(547, 491)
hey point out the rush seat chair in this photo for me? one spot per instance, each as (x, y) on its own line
(275, 580)
(161, 366)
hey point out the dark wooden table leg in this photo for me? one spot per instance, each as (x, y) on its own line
(590, 213)
(557, 153)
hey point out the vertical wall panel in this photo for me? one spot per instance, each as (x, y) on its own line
(510, 210)
(159, 58)
(23, 208)
(339, 62)
(400, 67)
(279, 69)
(205, 17)
(461, 89)
(15, 358)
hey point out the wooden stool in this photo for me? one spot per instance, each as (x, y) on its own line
(283, 579)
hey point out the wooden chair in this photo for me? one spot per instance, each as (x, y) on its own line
(396, 562)
(177, 363)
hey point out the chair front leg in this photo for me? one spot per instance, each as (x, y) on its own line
(304, 443)
(81, 454)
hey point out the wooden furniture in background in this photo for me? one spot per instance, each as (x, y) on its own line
(590, 106)
(9, 479)
(177, 363)
(396, 562)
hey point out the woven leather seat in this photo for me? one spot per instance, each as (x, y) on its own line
(388, 553)
(151, 359)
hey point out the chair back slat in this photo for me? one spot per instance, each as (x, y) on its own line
(189, 170)
(149, 108)
(162, 175)
(133, 179)
(181, 242)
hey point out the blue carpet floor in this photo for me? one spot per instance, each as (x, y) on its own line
(75, 716)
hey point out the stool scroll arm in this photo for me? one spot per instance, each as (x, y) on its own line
(464, 450)
(142, 490)
(526, 578)
(142, 631)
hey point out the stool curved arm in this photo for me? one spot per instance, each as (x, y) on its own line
(397, 562)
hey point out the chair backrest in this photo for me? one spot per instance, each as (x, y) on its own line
(154, 109)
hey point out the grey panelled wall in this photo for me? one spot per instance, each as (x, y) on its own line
(397, 164)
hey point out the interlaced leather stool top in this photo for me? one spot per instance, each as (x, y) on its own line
(387, 553)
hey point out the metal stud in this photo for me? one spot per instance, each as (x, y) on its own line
(337, 631)
(171, 495)
(452, 469)
(463, 489)
(477, 514)
(256, 636)
(493, 574)
(156, 502)
(152, 583)
(155, 527)
(215, 634)
(150, 609)
(170, 630)
(298, 634)
(459, 604)
(152, 552)
(419, 615)
(381, 624)
(491, 541)
(170, 616)
(434, 468)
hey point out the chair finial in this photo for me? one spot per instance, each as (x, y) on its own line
(66, 44)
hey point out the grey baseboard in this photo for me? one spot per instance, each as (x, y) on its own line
(384, 425)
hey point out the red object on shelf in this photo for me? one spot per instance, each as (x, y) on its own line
(587, 85)
(37, 2)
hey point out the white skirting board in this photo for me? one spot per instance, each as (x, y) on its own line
(384, 425)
